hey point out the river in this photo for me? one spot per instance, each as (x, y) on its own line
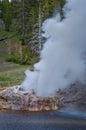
(56, 120)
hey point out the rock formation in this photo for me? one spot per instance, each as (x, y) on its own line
(74, 94)
(14, 99)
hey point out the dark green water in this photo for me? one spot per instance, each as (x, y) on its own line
(42, 121)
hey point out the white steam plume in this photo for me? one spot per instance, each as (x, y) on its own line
(62, 58)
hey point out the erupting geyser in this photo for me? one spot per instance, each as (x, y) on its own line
(62, 59)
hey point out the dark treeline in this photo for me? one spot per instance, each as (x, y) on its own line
(22, 19)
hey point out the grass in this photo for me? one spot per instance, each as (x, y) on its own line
(12, 76)
(10, 73)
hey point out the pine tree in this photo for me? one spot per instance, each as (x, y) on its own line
(7, 14)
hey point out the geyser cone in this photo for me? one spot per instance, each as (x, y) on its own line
(63, 56)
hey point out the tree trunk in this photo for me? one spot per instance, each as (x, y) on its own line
(40, 23)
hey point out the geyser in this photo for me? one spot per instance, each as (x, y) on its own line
(62, 59)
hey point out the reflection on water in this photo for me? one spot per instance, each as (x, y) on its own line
(75, 110)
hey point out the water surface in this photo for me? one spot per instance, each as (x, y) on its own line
(42, 120)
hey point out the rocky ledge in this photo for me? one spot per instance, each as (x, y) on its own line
(14, 99)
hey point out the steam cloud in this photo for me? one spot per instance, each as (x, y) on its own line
(63, 56)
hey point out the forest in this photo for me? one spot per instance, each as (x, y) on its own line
(21, 35)
(20, 27)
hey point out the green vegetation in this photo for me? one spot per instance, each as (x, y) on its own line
(20, 27)
(21, 17)
(20, 24)
(13, 75)
(27, 58)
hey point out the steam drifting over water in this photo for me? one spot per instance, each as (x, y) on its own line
(63, 56)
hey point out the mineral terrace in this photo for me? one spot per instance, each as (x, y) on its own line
(14, 99)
